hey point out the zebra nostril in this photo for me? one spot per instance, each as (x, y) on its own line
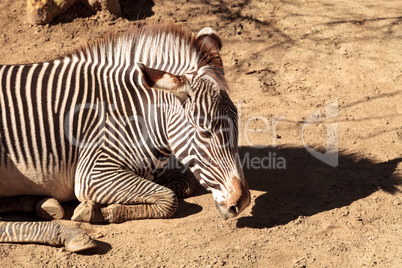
(233, 209)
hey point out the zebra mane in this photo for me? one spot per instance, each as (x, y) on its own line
(167, 47)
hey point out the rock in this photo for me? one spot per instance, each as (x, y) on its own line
(43, 11)
(111, 6)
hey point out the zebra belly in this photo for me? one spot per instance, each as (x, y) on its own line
(17, 179)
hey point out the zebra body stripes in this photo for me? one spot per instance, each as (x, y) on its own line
(100, 124)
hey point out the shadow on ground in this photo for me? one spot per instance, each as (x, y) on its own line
(308, 186)
(136, 10)
(294, 184)
(131, 10)
(101, 249)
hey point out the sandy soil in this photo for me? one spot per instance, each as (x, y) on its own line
(302, 73)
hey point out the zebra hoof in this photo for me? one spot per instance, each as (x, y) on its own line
(87, 211)
(49, 209)
(80, 242)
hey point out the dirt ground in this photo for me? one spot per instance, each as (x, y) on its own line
(303, 74)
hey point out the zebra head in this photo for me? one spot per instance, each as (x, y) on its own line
(204, 134)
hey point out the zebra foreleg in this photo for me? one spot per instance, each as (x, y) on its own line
(128, 197)
(159, 208)
(51, 233)
(89, 211)
(46, 208)
(180, 181)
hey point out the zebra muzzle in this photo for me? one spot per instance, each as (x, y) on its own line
(227, 213)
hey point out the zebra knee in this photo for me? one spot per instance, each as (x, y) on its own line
(164, 204)
(168, 206)
(182, 188)
(182, 183)
(189, 186)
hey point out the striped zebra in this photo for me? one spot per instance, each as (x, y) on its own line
(100, 124)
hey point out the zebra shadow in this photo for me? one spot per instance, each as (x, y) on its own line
(297, 184)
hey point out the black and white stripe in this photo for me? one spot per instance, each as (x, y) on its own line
(89, 126)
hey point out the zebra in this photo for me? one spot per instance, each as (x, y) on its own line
(100, 125)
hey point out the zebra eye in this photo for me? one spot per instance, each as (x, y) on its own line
(206, 134)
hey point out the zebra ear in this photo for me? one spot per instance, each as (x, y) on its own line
(207, 35)
(154, 78)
